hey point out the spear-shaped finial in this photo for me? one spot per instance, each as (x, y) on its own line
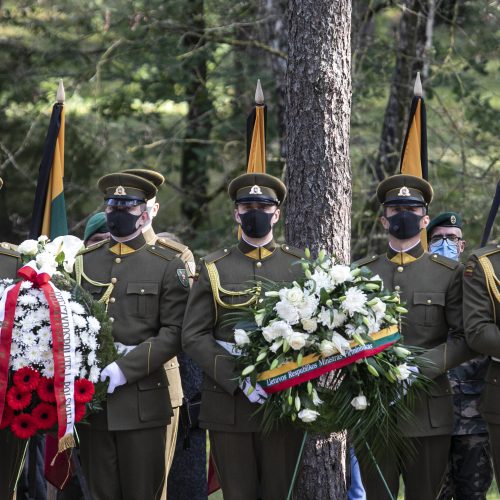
(259, 95)
(60, 96)
(417, 89)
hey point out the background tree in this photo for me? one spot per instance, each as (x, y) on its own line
(318, 176)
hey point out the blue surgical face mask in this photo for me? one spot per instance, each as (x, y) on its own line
(445, 248)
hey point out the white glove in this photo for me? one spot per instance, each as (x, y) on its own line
(254, 394)
(115, 375)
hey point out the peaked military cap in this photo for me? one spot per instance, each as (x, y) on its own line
(150, 175)
(402, 189)
(126, 189)
(263, 188)
(445, 219)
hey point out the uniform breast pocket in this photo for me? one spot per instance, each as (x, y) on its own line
(143, 298)
(428, 307)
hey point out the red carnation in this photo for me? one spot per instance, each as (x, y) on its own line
(84, 390)
(45, 415)
(23, 426)
(18, 399)
(26, 379)
(46, 390)
(80, 410)
(8, 415)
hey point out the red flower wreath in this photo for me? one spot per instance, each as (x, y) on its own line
(8, 415)
(26, 379)
(80, 410)
(18, 399)
(84, 390)
(45, 416)
(45, 390)
(23, 426)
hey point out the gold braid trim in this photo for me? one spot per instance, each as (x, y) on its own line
(81, 274)
(213, 276)
(492, 282)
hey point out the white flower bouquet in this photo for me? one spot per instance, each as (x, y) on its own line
(328, 352)
(55, 339)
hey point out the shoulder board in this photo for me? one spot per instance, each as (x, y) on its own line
(488, 250)
(444, 261)
(296, 252)
(162, 251)
(173, 245)
(9, 249)
(95, 246)
(217, 255)
(364, 261)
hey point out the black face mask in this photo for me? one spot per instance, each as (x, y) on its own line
(256, 223)
(404, 225)
(121, 223)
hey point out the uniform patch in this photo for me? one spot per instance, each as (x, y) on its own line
(469, 269)
(183, 277)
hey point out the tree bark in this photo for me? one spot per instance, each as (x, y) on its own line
(194, 172)
(318, 175)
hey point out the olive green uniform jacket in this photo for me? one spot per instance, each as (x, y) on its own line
(431, 287)
(222, 285)
(149, 290)
(482, 321)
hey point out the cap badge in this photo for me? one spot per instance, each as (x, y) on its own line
(255, 190)
(404, 191)
(120, 191)
(453, 219)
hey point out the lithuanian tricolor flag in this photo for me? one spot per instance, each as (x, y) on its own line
(414, 154)
(49, 210)
(256, 134)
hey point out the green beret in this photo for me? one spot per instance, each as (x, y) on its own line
(445, 219)
(126, 189)
(262, 188)
(404, 189)
(150, 175)
(96, 224)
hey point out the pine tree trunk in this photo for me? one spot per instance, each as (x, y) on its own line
(318, 107)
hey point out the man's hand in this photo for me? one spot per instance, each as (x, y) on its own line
(115, 375)
(254, 394)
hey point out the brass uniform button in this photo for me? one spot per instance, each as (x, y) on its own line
(397, 288)
(400, 269)
(434, 256)
(113, 280)
(112, 300)
(259, 264)
(111, 319)
(142, 290)
(429, 301)
(118, 260)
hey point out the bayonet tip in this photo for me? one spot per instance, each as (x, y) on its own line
(259, 95)
(417, 89)
(60, 96)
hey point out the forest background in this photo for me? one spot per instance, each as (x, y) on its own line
(168, 85)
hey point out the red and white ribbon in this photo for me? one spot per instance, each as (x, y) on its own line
(63, 345)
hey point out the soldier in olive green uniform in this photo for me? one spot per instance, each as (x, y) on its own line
(431, 287)
(469, 472)
(249, 464)
(171, 366)
(145, 288)
(11, 448)
(482, 327)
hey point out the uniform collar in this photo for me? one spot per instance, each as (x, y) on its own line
(256, 253)
(128, 247)
(150, 235)
(407, 256)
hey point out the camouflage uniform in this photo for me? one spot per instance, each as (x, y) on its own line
(469, 473)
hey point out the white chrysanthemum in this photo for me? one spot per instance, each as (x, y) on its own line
(241, 337)
(85, 338)
(276, 330)
(293, 295)
(340, 274)
(83, 372)
(15, 350)
(310, 325)
(16, 363)
(331, 318)
(48, 370)
(354, 302)
(78, 357)
(93, 324)
(77, 308)
(287, 312)
(91, 358)
(32, 354)
(27, 300)
(79, 321)
(25, 285)
(94, 373)
(65, 294)
(297, 340)
(28, 339)
(307, 308)
(322, 281)
(92, 343)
